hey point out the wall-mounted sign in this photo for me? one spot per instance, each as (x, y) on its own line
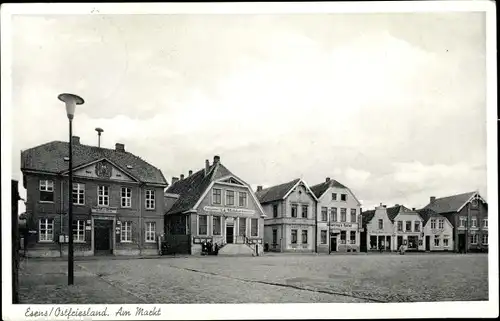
(102, 217)
(104, 210)
(89, 221)
(231, 210)
(118, 222)
(88, 228)
(344, 225)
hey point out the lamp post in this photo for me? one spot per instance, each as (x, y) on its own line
(71, 101)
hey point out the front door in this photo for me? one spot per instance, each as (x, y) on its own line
(461, 243)
(333, 244)
(102, 237)
(427, 242)
(400, 241)
(229, 233)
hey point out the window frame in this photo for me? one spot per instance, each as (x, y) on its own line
(256, 220)
(325, 233)
(485, 223)
(344, 233)
(473, 222)
(354, 213)
(79, 192)
(226, 200)
(244, 220)
(77, 232)
(400, 226)
(306, 207)
(126, 230)
(306, 233)
(324, 214)
(441, 223)
(46, 188)
(343, 214)
(433, 223)
(215, 196)
(214, 218)
(380, 224)
(334, 214)
(150, 199)
(292, 208)
(343, 197)
(47, 222)
(482, 239)
(129, 198)
(446, 242)
(416, 226)
(408, 223)
(245, 198)
(334, 196)
(275, 210)
(436, 241)
(351, 239)
(200, 216)
(104, 196)
(148, 232)
(292, 236)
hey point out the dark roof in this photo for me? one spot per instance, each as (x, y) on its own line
(450, 203)
(392, 212)
(367, 216)
(275, 192)
(49, 158)
(426, 214)
(319, 189)
(191, 188)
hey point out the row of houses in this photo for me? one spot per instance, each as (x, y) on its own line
(123, 205)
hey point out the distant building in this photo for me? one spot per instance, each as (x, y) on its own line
(468, 213)
(213, 205)
(117, 200)
(339, 217)
(290, 225)
(438, 231)
(408, 230)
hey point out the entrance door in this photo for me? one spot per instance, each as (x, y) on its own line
(102, 237)
(229, 233)
(400, 241)
(333, 244)
(461, 243)
(427, 242)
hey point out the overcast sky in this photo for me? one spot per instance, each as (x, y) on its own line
(391, 105)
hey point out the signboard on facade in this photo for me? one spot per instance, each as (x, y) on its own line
(102, 217)
(104, 210)
(88, 228)
(229, 210)
(344, 225)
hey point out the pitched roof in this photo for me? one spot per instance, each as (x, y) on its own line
(191, 188)
(319, 189)
(426, 214)
(275, 192)
(367, 216)
(392, 212)
(450, 203)
(49, 158)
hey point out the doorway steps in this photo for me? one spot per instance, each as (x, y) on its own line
(232, 249)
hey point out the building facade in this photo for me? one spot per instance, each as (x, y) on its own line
(290, 224)
(438, 231)
(338, 217)
(468, 214)
(117, 200)
(408, 230)
(214, 205)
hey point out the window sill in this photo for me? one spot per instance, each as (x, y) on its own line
(125, 241)
(79, 242)
(126, 207)
(150, 242)
(45, 241)
(46, 202)
(100, 205)
(150, 209)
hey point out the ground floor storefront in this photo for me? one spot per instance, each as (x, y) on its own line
(471, 241)
(290, 237)
(380, 242)
(338, 237)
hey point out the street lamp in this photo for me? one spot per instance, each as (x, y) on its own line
(71, 101)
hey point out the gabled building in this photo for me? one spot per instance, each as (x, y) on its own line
(338, 217)
(468, 213)
(290, 225)
(408, 230)
(438, 231)
(117, 200)
(214, 205)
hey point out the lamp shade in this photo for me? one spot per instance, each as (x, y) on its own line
(71, 101)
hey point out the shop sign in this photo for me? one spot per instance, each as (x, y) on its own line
(344, 225)
(229, 210)
(104, 210)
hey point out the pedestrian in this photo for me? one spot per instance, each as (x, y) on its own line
(402, 249)
(381, 246)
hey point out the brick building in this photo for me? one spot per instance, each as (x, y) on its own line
(117, 200)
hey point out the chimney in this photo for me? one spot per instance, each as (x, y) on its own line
(174, 180)
(207, 166)
(190, 173)
(396, 205)
(182, 177)
(413, 209)
(216, 159)
(75, 140)
(433, 198)
(327, 179)
(119, 147)
(259, 188)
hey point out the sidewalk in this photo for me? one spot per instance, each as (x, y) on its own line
(105, 257)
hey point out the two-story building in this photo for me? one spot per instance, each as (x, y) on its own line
(290, 225)
(214, 205)
(468, 213)
(338, 217)
(117, 200)
(438, 231)
(408, 230)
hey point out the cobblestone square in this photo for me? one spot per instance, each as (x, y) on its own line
(266, 279)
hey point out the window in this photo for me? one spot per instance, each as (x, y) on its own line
(275, 210)
(294, 236)
(229, 197)
(353, 215)
(333, 212)
(304, 211)
(216, 196)
(485, 239)
(400, 226)
(343, 197)
(150, 199)
(79, 231)
(417, 226)
(433, 224)
(202, 224)
(294, 210)
(408, 226)
(445, 242)
(126, 199)
(342, 237)
(79, 194)
(474, 222)
(46, 191)
(485, 223)
(436, 240)
(353, 237)
(323, 237)
(103, 195)
(441, 223)
(324, 214)
(254, 227)
(343, 214)
(242, 199)
(217, 225)
(275, 236)
(334, 196)
(242, 226)
(46, 227)
(380, 224)
(473, 238)
(304, 236)
(126, 235)
(463, 221)
(150, 231)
